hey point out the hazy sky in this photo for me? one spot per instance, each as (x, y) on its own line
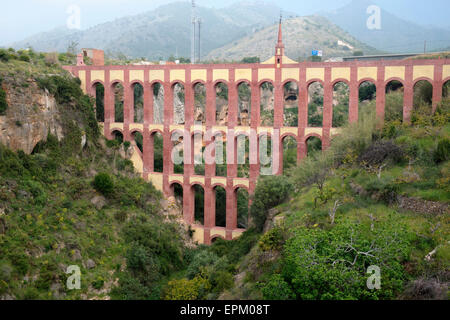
(22, 18)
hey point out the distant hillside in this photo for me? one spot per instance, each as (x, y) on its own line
(396, 35)
(161, 32)
(300, 36)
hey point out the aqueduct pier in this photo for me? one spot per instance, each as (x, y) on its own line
(278, 71)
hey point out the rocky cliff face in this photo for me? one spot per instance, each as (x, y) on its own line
(31, 114)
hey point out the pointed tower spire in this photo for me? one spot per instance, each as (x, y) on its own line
(279, 49)
(280, 32)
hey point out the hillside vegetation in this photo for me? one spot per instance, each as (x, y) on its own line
(78, 202)
(378, 199)
(300, 36)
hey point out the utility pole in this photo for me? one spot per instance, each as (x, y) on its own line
(199, 39)
(425, 47)
(193, 35)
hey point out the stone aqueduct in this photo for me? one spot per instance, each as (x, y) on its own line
(278, 70)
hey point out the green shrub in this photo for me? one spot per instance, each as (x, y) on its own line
(442, 152)
(380, 152)
(270, 192)
(384, 189)
(221, 281)
(98, 284)
(3, 102)
(332, 264)
(103, 183)
(277, 289)
(273, 239)
(201, 260)
(184, 289)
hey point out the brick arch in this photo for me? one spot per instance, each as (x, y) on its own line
(176, 181)
(445, 80)
(241, 81)
(114, 129)
(314, 80)
(423, 79)
(386, 82)
(95, 82)
(306, 138)
(225, 82)
(196, 82)
(115, 82)
(173, 83)
(360, 82)
(134, 130)
(214, 237)
(216, 132)
(152, 83)
(265, 133)
(182, 133)
(134, 82)
(285, 82)
(288, 134)
(219, 184)
(154, 131)
(261, 82)
(240, 186)
(336, 81)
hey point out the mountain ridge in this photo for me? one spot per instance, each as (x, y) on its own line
(142, 35)
(301, 36)
(396, 35)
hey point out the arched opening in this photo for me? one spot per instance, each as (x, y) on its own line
(290, 114)
(341, 93)
(199, 204)
(367, 95)
(221, 104)
(315, 105)
(221, 206)
(158, 103)
(178, 103)
(423, 98)
(139, 140)
(242, 199)
(99, 102)
(289, 153)
(446, 90)
(394, 101)
(267, 104)
(178, 194)
(118, 136)
(158, 156)
(243, 156)
(313, 145)
(198, 149)
(118, 102)
(244, 104)
(178, 150)
(215, 238)
(265, 155)
(199, 103)
(138, 103)
(220, 155)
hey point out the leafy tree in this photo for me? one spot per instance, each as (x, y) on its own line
(103, 183)
(270, 192)
(321, 264)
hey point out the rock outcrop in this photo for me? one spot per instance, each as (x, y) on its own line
(32, 113)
